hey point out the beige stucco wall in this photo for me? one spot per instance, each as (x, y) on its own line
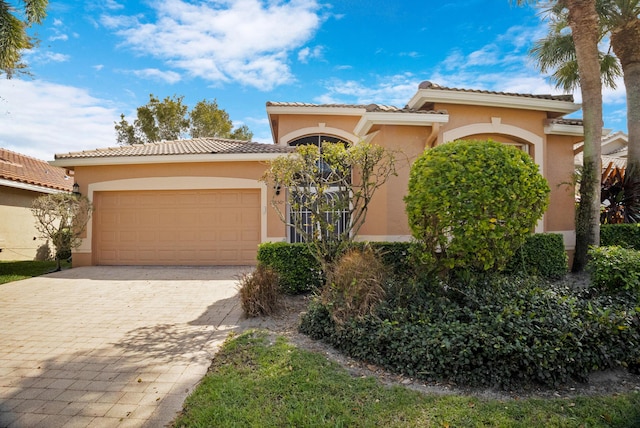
(387, 219)
(19, 239)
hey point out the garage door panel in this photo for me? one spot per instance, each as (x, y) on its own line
(193, 227)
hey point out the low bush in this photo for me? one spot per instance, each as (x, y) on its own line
(260, 292)
(542, 254)
(355, 285)
(615, 268)
(489, 331)
(624, 235)
(299, 272)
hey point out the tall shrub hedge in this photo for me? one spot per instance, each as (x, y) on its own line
(542, 254)
(624, 235)
(298, 270)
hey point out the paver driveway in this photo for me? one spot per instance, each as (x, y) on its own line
(110, 346)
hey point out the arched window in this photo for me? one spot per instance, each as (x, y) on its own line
(336, 209)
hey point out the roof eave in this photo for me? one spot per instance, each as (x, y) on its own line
(424, 96)
(370, 119)
(564, 129)
(316, 110)
(158, 159)
(31, 187)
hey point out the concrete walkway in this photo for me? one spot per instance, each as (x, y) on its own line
(110, 346)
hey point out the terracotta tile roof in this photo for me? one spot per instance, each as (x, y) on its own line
(429, 85)
(366, 107)
(298, 104)
(28, 170)
(194, 146)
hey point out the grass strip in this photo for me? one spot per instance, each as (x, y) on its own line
(260, 380)
(15, 271)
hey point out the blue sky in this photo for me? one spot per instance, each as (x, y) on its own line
(100, 58)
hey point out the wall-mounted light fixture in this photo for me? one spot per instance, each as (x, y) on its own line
(76, 189)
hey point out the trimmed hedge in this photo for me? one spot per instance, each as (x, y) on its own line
(624, 235)
(542, 254)
(502, 331)
(299, 272)
(615, 268)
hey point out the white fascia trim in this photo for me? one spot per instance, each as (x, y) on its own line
(177, 183)
(563, 129)
(490, 100)
(370, 119)
(140, 160)
(316, 110)
(27, 186)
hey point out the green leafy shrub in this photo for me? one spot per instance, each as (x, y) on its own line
(615, 268)
(472, 203)
(260, 292)
(489, 331)
(355, 285)
(542, 254)
(298, 270)
(624, 235)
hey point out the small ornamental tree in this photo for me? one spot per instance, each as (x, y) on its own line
(471, 204)
(62, 219)
(328, 192)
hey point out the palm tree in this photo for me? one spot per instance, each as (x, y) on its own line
(620, 17)
(582, 18)
(13, 32)
(619, 20)
(556, 53)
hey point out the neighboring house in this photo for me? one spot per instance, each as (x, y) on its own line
(614, 151)
(22, 179)
(201, 201)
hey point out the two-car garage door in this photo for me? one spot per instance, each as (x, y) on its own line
(177, 227)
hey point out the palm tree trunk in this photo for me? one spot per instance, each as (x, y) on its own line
(583, 20)
(625, 42)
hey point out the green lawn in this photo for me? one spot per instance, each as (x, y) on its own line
(257, 380)
(15, 271)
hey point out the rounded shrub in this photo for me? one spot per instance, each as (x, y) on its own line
(471, 204)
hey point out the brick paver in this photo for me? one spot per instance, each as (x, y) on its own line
(110, 346)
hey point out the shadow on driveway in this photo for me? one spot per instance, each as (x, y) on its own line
(110, 346)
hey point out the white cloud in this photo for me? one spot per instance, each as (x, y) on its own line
(393, 90)
(62, 37)
(40, 57)
(248, 41)
(305, 54)
(41, 119)
(155, 74)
